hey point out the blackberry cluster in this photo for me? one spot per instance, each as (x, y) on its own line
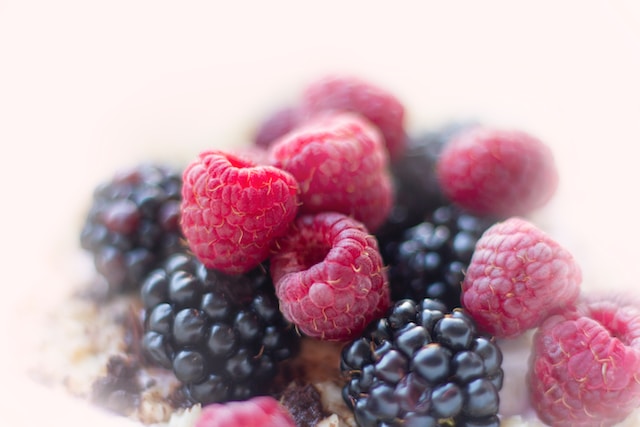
(223, 336)
(416, 188)
(425, 366)
(430, 258)
(133, 224)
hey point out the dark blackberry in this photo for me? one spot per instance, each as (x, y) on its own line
(133, 224)
(422, 365)
(223, 336)
(429, 260)
(417, 192)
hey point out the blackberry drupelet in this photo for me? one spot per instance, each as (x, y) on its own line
(223, 336)
(423, 365)
(132, 224)
(429, 260)
(417, 191)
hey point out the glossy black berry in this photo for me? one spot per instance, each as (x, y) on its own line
(133, 224)
(223, 336)
(422, 364)
(430, 258)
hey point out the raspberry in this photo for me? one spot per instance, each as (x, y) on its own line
(498, 172)
(585, 364)
(232, 210)
(340, 165)
(518, 275)
(261, 411)
(348, 93)
(422, 365)
(329, 277)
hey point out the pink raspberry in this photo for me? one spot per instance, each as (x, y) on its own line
(261, 411)
(585, 365)
(348, 93)
(497, 172)
(518, 275)
(340, 165)
(329, 276)
(232, 210)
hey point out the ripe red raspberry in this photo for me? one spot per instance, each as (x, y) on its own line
(585, 365)
(232, 210)
(518, 275)
(340, 165)
(261, 411)
(329, 276)
(497, 172)
(348, 93)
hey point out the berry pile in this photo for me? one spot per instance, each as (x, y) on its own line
(414, 253)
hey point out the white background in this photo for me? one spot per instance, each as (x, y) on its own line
(90, 86)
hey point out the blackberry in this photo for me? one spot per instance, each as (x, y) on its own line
(417, 191)
(223, 336)
(133, 224)
(430, 259)
(422, 365)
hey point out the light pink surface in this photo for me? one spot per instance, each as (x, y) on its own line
(86, 87)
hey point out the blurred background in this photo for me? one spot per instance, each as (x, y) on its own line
(89, 87)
